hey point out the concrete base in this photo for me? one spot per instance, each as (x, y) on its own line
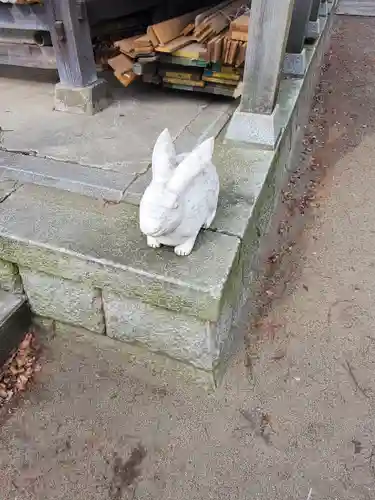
(82, 100)
(324, 9)
(295, 64)
(255, 128)
(314, 29)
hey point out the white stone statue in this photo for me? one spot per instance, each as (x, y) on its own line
(182, 196)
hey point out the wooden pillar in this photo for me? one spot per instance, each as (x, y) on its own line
(79, 90)
(268, 33)
(298, 28)
(315, 10)
(70, 33)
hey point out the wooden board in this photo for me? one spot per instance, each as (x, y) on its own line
(126, 46)
(210, 88)
(178, 81)
(152, 37)
(173, 71)
(240, 24)
(142, 41)
(188, 30)
(239, 36)
(182, 61)
(191, 51)
(121, 63)
(125, 78)
(168, 30)
(222, 81)
(175, 45)
(222, 75)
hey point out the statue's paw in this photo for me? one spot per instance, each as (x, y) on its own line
(185, 248)
(152, 242)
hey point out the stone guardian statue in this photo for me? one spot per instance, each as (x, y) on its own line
(182, 196)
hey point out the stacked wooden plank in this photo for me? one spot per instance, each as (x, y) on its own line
(202, 50)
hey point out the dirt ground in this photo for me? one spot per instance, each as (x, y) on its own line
(294, 419)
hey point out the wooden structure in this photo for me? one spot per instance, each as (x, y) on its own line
(275, 28)
(274, 35)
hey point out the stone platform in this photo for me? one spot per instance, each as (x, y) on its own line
(69, 220)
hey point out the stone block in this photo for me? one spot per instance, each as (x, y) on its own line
(295, 64)
(258, 129)
(64, 300)
(180, 336)
(94, 182)
(80, 239)
(82, 100)
(10, 280)
(323, 9)
(139, 355)
(314, 29)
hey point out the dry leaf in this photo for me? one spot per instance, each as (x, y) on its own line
(19, 369)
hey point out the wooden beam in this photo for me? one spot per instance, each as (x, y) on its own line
(32, 56)
(23, 17)
(298, 26)
(268, 33)
(70, 33)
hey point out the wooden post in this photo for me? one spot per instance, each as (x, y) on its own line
(298, 27)
(315, 10)
(268, 33)
(70, 33)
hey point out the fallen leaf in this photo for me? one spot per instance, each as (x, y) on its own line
(19, 369)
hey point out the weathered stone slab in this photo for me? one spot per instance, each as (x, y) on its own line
(81, 239)
(118, 137)
(10, 280)
(207, 124)
(89, 181)
(180, 336)
(134, 192)
(7, 187)
(64, 300)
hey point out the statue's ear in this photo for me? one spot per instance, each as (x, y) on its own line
(163, 158)
(191, 166)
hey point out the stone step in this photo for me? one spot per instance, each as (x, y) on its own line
(98, 183)
(86, 263)
(114, 172)
(15, 319)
